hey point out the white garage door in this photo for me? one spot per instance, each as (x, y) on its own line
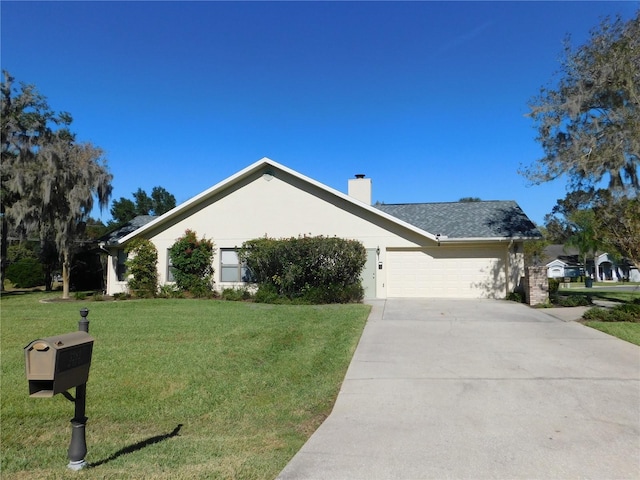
(446, 272)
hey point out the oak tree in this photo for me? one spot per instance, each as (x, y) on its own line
(589, 123)
(49, 179)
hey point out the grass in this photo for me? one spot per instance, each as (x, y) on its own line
(628, 331)
(603, 294)
(178, 388)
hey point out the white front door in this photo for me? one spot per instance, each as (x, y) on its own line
(369, 274)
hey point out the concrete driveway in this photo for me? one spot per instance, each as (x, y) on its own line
(479, 389)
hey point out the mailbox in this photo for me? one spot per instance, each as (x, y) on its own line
(56, 364)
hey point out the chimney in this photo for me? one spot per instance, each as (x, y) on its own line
(360, 188)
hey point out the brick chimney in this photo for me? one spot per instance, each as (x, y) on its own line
(360, 188)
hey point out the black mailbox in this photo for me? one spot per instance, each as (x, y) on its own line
(56, 364)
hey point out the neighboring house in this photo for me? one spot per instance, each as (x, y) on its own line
(607, 268)
(466, 249)
(566, 262)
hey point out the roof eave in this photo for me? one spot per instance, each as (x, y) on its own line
(485, 239)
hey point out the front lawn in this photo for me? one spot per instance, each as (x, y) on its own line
(178, 388)
(629, 331)
(602, 292)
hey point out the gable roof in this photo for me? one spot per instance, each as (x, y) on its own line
(422, 228)
(466, 220)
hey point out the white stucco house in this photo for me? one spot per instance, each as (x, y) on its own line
(607, 268)
(565, 262)
(459, 249)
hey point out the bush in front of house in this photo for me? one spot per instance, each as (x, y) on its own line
(26, 272)
(142, 267)
(305, 269)
(554, 285)
(235, 294)
(192, 264)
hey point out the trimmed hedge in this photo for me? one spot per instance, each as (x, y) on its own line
(305, 269)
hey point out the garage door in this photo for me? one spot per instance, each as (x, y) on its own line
(446, 272)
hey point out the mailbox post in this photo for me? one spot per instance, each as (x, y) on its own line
(56, 364)
(78, 446)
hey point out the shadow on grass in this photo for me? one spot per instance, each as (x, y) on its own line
(20, 292)
(138, 446)
(599, 295)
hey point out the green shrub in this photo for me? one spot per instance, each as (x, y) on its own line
(235, 294)
(335, 293)
(25, 273)
(192, 267)
(515, 297)
(268, 293)
(142, 268)
(170, 291)
(628, 312)
(554, 285)
(306, 269)
(572, 300)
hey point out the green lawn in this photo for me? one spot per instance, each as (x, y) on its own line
(178, 388)
(629, 331)
(603, 294)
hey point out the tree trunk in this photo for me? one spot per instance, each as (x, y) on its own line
(3, 249)
(65, 275)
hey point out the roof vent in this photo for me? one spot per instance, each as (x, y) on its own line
(360, 175)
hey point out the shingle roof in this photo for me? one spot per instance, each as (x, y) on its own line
(132, 225)
(484, 219)
(568, 255)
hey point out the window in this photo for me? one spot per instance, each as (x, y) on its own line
(231, 270)
(169, 268)
(121, 269)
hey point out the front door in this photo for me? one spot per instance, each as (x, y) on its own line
(369, 274)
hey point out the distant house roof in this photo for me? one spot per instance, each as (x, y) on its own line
(568, 255)
(131, 226)
(483, 219)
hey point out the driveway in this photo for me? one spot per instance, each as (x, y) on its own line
(479, 389)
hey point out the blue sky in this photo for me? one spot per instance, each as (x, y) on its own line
(426, 98)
